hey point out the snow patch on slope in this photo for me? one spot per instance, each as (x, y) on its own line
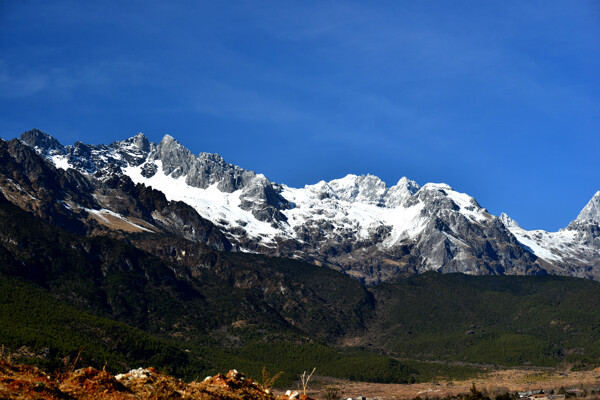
(219, 207)
(60, 161)
(103, 213)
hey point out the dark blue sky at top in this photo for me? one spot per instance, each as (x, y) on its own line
(499, 99)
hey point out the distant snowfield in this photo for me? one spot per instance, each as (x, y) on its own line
(223, 209)
(338, 202)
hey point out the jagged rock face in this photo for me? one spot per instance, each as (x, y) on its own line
(43, 142)
(257, 193)
(586, 227)
(176, 160)
(202, 171)
(356, 224)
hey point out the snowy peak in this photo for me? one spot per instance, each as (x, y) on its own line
(406, 185)
(137, 143)
(399, 193)
(366, 189)
(440, 196)
(591, 212)
(508, 221)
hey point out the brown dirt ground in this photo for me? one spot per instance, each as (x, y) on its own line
(500, 380)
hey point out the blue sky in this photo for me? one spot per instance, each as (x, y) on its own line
(499, 99)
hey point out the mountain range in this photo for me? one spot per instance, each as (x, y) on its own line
(356, 224)
(145, 254)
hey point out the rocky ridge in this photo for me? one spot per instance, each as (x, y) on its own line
(356, 224)
(84, 204)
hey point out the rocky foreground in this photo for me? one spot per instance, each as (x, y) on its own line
(28, 382)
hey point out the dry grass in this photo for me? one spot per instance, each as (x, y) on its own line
(512, 379)
(115, 223)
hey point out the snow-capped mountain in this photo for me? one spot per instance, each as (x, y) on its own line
(356, 224)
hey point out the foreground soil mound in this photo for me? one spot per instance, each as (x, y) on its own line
(27, 382)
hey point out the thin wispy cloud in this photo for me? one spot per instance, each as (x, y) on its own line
(14, 86)
(225, 101)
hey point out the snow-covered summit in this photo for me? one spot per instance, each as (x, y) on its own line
(591, 212)
(400, 192)
(508, 221)
(367, 189)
